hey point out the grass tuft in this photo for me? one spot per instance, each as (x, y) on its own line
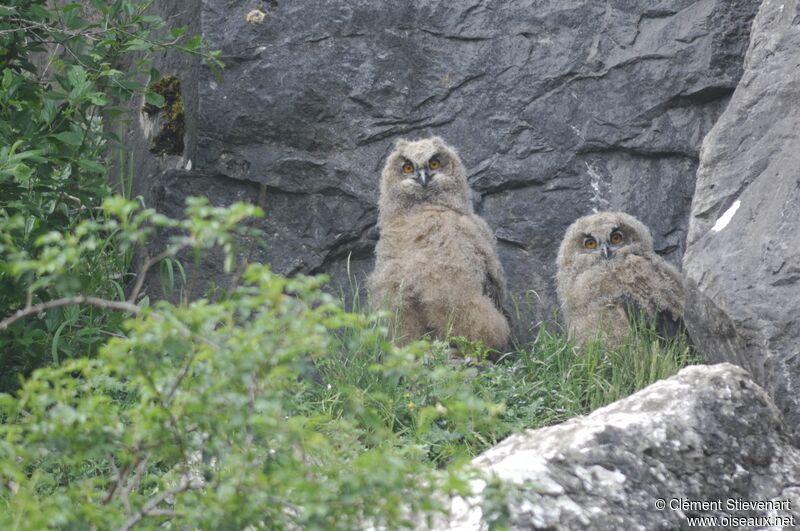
(444, 408)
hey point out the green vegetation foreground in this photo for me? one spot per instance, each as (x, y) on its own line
(271, 406)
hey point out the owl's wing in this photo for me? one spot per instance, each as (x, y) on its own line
(666, 323)
(493, 290)
(494, 284)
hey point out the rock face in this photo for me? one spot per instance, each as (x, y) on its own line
(707, 434)
(743, 260)
(557, 108)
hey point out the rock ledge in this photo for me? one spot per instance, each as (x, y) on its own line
(708, 434)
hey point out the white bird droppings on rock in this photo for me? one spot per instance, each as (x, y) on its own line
(725, 218)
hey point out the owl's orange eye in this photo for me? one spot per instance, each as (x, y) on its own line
(590, 243)
(616, 237)
(408, 168)
(434, 164)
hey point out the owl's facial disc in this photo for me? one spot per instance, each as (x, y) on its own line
(423, 170)
(426, 173)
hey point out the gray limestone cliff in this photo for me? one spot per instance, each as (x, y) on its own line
(743, 260)
(557, 108)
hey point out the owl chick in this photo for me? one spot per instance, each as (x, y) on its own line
(606, 268)
(436, 260)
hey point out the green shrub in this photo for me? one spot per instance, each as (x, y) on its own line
(202, 415)
(58, 82)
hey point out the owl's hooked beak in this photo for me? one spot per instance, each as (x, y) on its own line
(422, 177)
(607, 252)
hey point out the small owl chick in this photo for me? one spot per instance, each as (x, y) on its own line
(606, 268)
(436, 260)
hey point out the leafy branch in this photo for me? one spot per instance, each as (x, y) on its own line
(66, 301)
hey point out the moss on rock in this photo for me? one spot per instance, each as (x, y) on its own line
(169, 139)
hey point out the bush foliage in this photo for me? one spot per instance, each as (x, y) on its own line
(207, 414)
(58, 83)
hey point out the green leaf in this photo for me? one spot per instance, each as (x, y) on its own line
(92, 166)
(100, 5)
(13, 148)
(79, 83)
(31, 154)
(111, 72)
(155, 99)
(97, 98)
(56, 337)
(22, 172)
(152, 19)
(55, 95)
(72, 18)
(129, 84)
(138, 45)
(49, 111)
(77, 76)
(6, 11)
(179, 32)
(194, 42)
(8, 76)
(39, 13)
(70, 138)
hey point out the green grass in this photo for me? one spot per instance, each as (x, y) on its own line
(550, 382)
(448, 408)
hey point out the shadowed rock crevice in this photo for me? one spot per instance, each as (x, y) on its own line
(167, 122)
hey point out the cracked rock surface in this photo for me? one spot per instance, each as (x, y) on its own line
(709, 433)
(557, 108)
(743, 259)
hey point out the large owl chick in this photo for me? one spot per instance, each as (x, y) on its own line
(606, 268)
(436, 265)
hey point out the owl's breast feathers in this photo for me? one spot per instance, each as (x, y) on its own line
(434, 240)
(430, 229)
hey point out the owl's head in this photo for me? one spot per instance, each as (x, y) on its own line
(424, 171)
(603, 238)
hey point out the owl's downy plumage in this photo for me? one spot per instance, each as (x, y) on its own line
(606, 268)
(436, 260)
